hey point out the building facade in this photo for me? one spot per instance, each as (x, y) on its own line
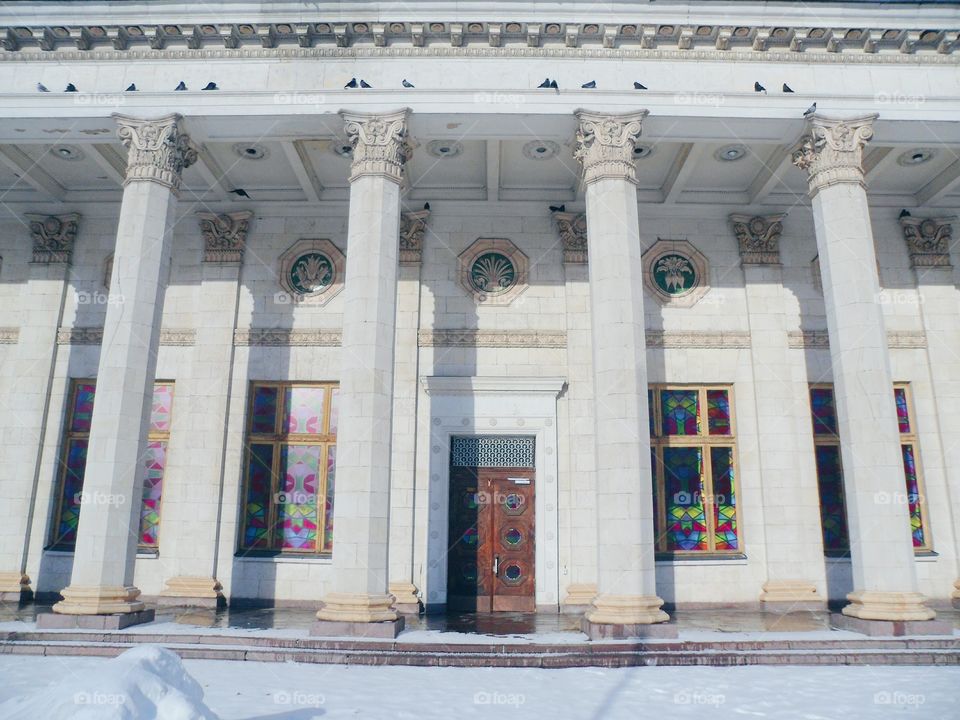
(336, 306)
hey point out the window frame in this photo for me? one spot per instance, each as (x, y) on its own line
(279, 439)
(912, 438)
(705, 441)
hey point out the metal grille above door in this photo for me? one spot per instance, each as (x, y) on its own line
(492, 451)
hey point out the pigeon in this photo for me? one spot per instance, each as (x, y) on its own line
(558, 208)
(365, 84)
(787, 88)
(407, 84)
(553, 85)
(351, 84)
(810, 110)
(240, 192)
(181, 86)
(638, 86)
(545, 83)
(590, 85)
(426, 206)
(210, 86)
(132, 87)
(757, 87)
(71, 88)
(903, 214)
(42, 88)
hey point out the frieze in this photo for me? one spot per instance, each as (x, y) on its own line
(492, 338)
(676, 340)
(94, 336)
(9, 335)
(820, 339)
(281, 337)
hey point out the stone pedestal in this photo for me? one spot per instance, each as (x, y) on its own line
(359, 592)
(15, 587)
(406, 601)
(881, 548)
(579, 598)
(891, 628)
(626, 576)
(57, 621)
(106, 548)
(182, 591)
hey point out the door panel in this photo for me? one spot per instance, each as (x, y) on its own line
(513, 546)
(469, 584)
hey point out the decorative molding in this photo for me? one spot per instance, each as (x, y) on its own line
(675, 273)
(157, 150)
(380, 144)
(832, 150)
(677, 340)
(605, 144)
(758, 237)
(493, 271)
(820, 340)
(94, 336)
(492, 338)
(224, 235)
(928, 240)
(53, 237)
(412, 227)
(678, 40)
(572, 228)
(9, 335)
(311, 272)
(499, 385)
(280, 337)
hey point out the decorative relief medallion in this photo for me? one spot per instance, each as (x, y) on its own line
(311, 271)
(572, 228)
(380, 144)
(832, 151)
(53, 237)
(157, 150)
(224, 235)
(758, 237)
(675, 273)
(928, 240)
(493, 271)
(412, 227)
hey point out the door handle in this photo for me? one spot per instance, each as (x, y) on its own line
(496, 566)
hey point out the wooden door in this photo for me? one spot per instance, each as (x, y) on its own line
(490, 564)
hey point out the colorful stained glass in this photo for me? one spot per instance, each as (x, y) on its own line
(903, 414)
(155, 461)
(257, 505)
(82, 407)
(833, 516)
(681, 412)
(334, 411)
(718, 412)
(264, 409)
(656, 505)
(724, 499)
(162, 407)
(297, 498)
(304, 408)
(686, 524)
(823, 410)
(913, 495)
(328, 510)
(76, 462)
(471, 536)
(653, 421)
(513, 537)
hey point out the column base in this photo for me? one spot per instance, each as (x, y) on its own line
(53, 621)
(955, 596)
(626, 610)
(387, 630)
(894, 606)
(789, 595)
(15, 587)
(406, 601)
(579, 598)
(189, 591)
(891, 628)
(99, 600)
(357, 608)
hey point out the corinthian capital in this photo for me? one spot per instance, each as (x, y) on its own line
(412, 227)
(380, 144)
(53, 237)
(605, 144)
(928, 240)
(832, 150)
(758, 237)
(157, 150)
(224, 235)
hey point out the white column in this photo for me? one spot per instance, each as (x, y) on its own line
(362, 502)
(793, 541)
(928, 242)
(405, 392)
(26, 391)
(881, 549)
(194, 478)
(102, 579)
(626, 576)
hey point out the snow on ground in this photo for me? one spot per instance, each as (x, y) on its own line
(292, 691)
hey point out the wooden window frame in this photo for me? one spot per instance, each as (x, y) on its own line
(280, 439)
(705, 441)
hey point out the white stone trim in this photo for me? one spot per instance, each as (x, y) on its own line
(494, 406)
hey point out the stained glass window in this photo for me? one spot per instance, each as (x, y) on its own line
(903, 414)
(290, 466)
(73, 466)
(833, 515)
(824, 412)
(693, 465)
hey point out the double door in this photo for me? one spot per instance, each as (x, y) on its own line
(490, 564)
